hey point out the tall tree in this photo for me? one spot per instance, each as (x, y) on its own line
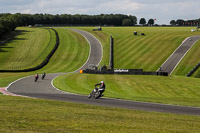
(142, 21)
(180, 22)
(151, 22)
(173, 22)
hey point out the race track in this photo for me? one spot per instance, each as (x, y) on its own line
(171, 63)
(43, 88)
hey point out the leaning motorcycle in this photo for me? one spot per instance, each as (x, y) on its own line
(36, 78)
(43, 76)
(96, 93)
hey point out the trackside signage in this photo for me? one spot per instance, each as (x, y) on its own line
(121, 70)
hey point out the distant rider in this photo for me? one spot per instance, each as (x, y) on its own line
(43, 75)
(36, 77)
(101, 88)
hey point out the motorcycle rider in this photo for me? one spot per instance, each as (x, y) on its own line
(43, 75)
(101, 88)
(36, 77)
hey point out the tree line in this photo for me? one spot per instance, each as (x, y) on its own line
(9, 22)
(181, 22)
(143, 22)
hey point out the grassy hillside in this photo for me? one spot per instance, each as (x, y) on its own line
(148, 52)
(28, 49)
(33, 115)
(71, 54)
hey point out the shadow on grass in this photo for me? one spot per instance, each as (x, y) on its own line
(9, 38)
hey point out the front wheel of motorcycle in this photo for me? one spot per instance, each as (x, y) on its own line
(89, 96)
(97, 94)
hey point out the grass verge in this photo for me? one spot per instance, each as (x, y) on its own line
(7, 78)
(31, 115)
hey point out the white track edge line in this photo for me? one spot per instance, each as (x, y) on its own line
(183, 56)
(173, 52)
(15, 82)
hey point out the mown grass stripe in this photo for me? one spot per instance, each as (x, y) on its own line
(159, 50)
(122, 58)
(32, 46)
(135, 55)
(66, 58)
(62, 54)
(122, 49)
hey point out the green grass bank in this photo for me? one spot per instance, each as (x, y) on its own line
(27, 49)
(32, 115)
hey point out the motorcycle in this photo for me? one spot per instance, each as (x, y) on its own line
(96, 93)
(43, 76)
(36, 78)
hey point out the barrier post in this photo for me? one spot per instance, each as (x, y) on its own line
(111, 64)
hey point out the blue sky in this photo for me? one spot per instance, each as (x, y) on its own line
(161, 10)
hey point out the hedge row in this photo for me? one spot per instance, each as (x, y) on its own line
(44, 62)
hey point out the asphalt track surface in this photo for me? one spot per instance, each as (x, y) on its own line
(43, 89)
(171, 63)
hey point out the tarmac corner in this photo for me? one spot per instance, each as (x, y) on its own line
(4, 91)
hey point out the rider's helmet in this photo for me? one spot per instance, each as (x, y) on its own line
(102, 82)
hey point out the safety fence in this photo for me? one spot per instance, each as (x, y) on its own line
(124, 72)
(193, 70)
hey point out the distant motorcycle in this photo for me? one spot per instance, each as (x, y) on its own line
(36, 77)
(96, 93)
(43, 76)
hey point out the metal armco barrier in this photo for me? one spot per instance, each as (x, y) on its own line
(193, 70)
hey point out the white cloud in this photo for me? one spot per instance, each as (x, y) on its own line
(162, 10)
(171, 9)
(27, 11)
(119, 6)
